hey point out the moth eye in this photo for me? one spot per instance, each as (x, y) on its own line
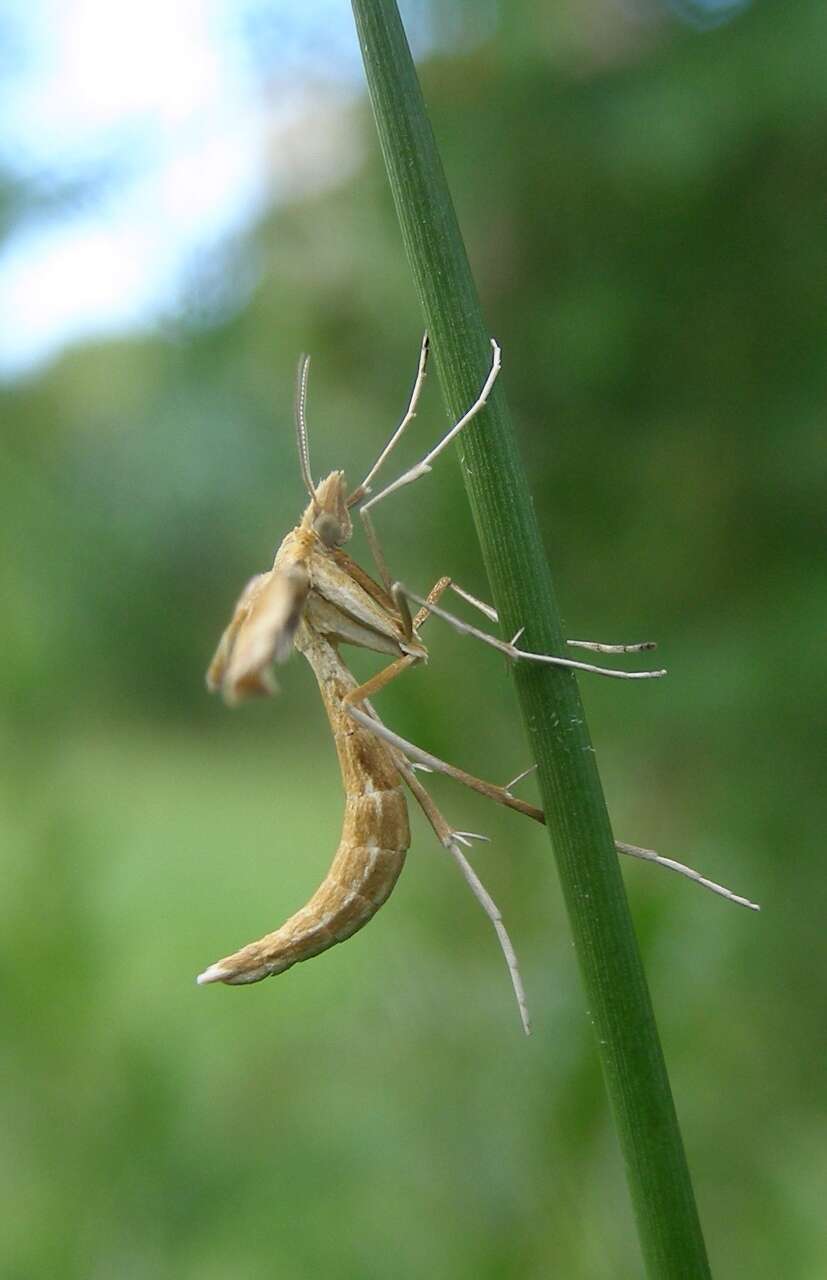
(328, 529)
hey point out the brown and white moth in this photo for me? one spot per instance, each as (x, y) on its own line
(315, 599)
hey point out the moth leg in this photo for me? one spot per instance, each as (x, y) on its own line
(387, 582)
(649, 855)
(489, 789)
(399, 665)
(450, 839)
(422, 468)
(509, 786)
(503, 796)
(382, 678)
(376, 550)
(516, 654)
(488, 609)
(438, 589)
(595, 646)
(410, 414)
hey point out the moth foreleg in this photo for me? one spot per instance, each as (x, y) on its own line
(410, 414)
(424, 466)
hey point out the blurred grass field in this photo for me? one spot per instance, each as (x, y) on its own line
(163, 1129)
(646, 223)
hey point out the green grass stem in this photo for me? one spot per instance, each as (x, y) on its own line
(617, 995)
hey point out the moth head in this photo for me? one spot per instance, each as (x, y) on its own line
(327, 514)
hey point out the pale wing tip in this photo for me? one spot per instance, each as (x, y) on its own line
(214, 974)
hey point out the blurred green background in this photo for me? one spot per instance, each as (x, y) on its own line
(643, 196)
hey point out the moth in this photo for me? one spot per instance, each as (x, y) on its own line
(315, 599)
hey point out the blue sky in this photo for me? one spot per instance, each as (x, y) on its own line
(150, 134)
(174, 126)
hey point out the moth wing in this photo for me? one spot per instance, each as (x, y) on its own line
(260, 632)
(217, 669)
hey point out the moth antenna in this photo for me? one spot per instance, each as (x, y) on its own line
(301, 427)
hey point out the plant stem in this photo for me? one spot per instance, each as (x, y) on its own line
(618, 999)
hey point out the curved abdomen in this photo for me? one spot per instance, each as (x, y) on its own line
(371, 853)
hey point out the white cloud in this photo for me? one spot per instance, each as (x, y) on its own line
(165, 95)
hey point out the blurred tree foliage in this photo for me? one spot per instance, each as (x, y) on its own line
(645, 208)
